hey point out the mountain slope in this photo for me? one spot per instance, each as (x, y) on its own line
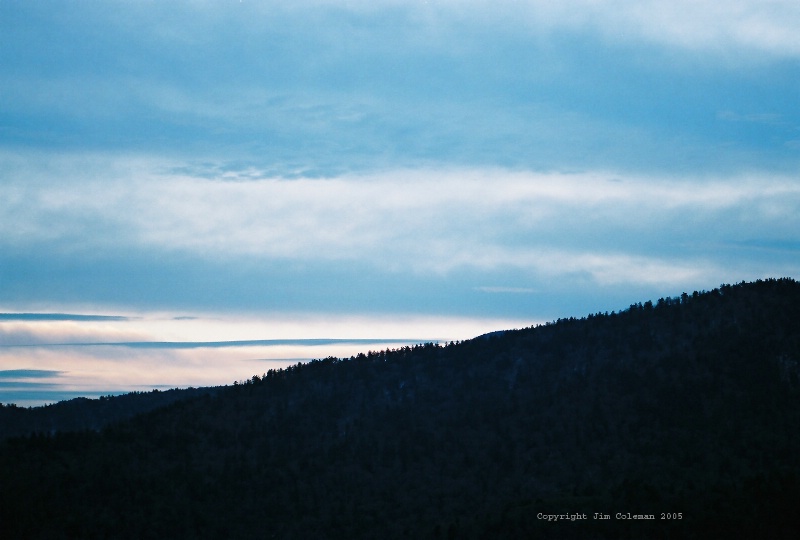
(87, 414)
(689, 406)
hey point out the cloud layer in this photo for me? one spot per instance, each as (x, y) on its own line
(394, 155)
(327, 89)
(615, 229)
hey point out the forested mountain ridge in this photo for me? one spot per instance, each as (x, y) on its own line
(688, 406)
(81, 414)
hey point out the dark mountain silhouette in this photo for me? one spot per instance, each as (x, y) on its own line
(81, 414)
(687, 410)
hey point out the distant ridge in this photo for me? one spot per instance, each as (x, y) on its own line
(496, 333)
(686, 409)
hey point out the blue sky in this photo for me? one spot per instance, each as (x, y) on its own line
(217, 171)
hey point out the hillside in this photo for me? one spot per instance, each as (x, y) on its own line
(688, 405)
(81, 414)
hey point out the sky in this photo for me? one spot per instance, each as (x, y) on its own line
(195, 192)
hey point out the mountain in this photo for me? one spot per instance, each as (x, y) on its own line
(686, 410)
(82, 414)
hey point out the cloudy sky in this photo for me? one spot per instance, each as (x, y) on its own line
(191, 191)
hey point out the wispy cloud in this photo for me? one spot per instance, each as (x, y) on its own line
(510, 290)
(42, 332)
(29, 373)
(688, 23)
(58, 317)
(308, 342)
(758, 118)
(705, 25)
(615, 228)
(333, 88)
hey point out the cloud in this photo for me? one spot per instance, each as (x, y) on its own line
(26, 386)
(511, 290)
(308, 342)
(614, 228)
(773, 244)
(691, 24)
(29, 373)
(758, 118)
(767, 26)
(58, 317)
(332, 88)
(284, 329)
(391, 155)
(22, 333)
(695, 24)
